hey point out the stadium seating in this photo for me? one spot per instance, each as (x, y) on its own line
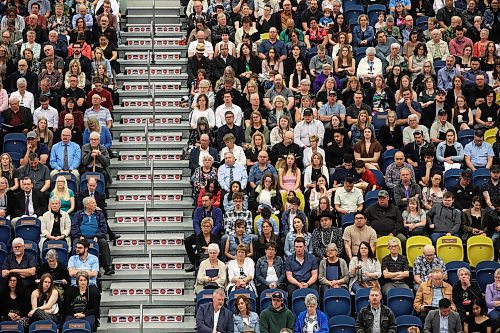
(404, 322)
(485, 273)
(382, 250)
(480, 248)
(76, 326)
(265, 298)
(449, 248)
(11, 327)
(28, 228)
(452, 269)
(235, 293)
(342, 324)
(298, 296)
(337, 301)
(415, 247)
(60, 246)
(400, 301)
(43, 326)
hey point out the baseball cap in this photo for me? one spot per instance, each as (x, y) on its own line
(308, 112)
(277, 295)
(383, 193)
(442, 112)
(495, 168)
(440, 91)
(31, 135)
(332, 92)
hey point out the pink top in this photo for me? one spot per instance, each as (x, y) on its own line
(289, 182)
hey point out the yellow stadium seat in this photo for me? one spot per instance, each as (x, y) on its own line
(382, 250)
(480, 248)
(450, 248)
(490, 135)
(415, 247)
(300, 195)
(274, 217)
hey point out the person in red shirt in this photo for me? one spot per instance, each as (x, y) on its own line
(368, 181)
(106, 98)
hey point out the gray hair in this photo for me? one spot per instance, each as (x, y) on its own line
(371, 50)
(54, 199)
(396, 45)
(213, 247)
(497, 272)
(393, 241)
(208, 157)
(413, 117)
(465, 269)
(332, 246)
(220, 292)
(21, 82)
(311, 299)
(13, 99)
(437, 270)
(51, 254)
(18, 240)
(95, 135)
(86, 200)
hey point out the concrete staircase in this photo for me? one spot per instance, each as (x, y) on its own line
(151, 182)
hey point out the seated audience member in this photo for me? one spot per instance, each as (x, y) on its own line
(231, 171)
(298, 229)
(276, 317)
(464, 191)
(325, 234)
(443, 315)
(267, 231)
(93, 126)
(424, 264)
(197, 153)
(366, 322)
(100, 112)
(414, 217)
(213, 316)
(395, 268)
(478, 153)
(66, 196)
(56, 223)
(44, 301)
(238, 211)
(431, 291)
(311, 316)
(392, 173)
(206, 210)
(267, 195)
(386, 218)
(301, 268)
(20, 262)
(270, 270)
(82, 260)
(81, 301)
(288, 216)
(443, 219)
(65, 155)
(474, 220)
(364, 269)
(95, 157)
(18, 118)
(427, 169)
(230, 146)
(357, 233)
(241, 271)
(33, 145)
(328, 276)
(36, 171)
(465, 292)
(348, 199)
(245, 319)
(37, 202)
(90, 223)
(239, 237)
(58, 271)
(478, 320)
(212, 271)
(493, 300)
(15, 300)
(406, 189)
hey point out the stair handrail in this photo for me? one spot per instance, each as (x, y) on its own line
(150, 301)
(154, 14)
(141, 318)
(145, 227)
(153, 33)
(149, 72)
(146, 137)
(153, 97)
(152, 183)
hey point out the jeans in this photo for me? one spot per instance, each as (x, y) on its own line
(436, 235)
(495, 319)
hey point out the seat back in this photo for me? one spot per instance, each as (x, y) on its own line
(247, 293)
(337, 301)
(347, 220)
(77, 326)
(490, 135)
(371, 197)
(266, 298)
(388, 158)
(464, 136)
(258, 217)
(382, 250)
(480, 248)
(11, 327)
(400, 301)
(99, 177)
(451, 177)
(342, 324)
(15, 143)
(60, 246)
(407, 321)
(480, 176)
(5, 231)
(452, 268)
(3, 252)
(204, 296)
(31, 248)
(28, 228)
(449, 248)
(361, 298)
(354, 11)
(415, 247)
(70, 178)
(485, 273)
(43, 326)
(298, 296)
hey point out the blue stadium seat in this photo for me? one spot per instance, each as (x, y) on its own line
(31, 248)
(77, 326)
(352, 23)
(480, 176)
(439, 64)
(353, 12)
(342, 324)
(347, 5)
(14, 143)
(337, 301)
(60, 246)
(400, 301)
(28, 228)
(347, 220)
(204, 296)
(266, 299)
(11, 327)
(361, 298)
(16, 159)
(388, 158)
(379, 119)
(3, 252)
(465, 136)
(101, 181)
(380, 177)
(5, 231)
(452, 269)
(248, 293)
(70, 178)
(371, 197)
(93, 249)
(451, 177)
(43, 326)
(404, 322)
(373, 11)
(485, 273)
(298, 296)
(421, 22)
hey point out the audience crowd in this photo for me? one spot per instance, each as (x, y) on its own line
(58, 63)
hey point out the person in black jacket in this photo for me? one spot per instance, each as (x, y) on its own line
(223, 60)
(198, 61)
(82, 302)
(18, 117)
(464, 293)
(23, 71)
(365, 319)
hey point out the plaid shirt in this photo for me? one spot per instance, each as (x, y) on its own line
(231, 217)
(423, 268)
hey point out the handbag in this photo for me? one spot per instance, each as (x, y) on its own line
(369, 284)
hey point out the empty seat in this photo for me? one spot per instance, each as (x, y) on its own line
(15, 143)
(371, 197)
(5, 231)
(407, 321)
(337, 301)
(31, 248)
(485, 273)
(11, 327)
(77, 326)
(204, 296)
(361, 298)
(43, 326)
(480, 176)
(400, 301)
(28, 228)
(480, 248)
(342, 324)
(449, 248)
(415, 247)
(347, 220)
(451, 177)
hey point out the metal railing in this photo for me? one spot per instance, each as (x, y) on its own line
(146, 137)
(141, 318)
(150, 300)
(145, 227)
(152, 183)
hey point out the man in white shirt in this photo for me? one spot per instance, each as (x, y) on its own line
(348, 199)
(228, 105)
(200, 38)
(214, 317)
(48, 112)
(308, 127)
(369, 66)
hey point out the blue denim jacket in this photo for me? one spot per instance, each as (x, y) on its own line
(246, 239)
(261, 270)
(253, 322)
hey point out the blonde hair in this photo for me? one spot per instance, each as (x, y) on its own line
(64, 194)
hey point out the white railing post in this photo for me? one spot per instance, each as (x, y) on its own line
(150, 277)
(145, 227)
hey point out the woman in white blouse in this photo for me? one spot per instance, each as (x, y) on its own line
(241, 271)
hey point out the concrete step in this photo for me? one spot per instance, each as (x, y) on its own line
(141, 196)
(187, 325)
(122, 145)
(136, 264)
(161, 176)
(159, 3)
(150, 316)
(156, 155)
(162, 89)
(150, 11)
(163, 105)
(168, 58)
(153, 136)
(125, 123)
(147, 18)
(160, 44)
(185, 298)
(165, 240)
